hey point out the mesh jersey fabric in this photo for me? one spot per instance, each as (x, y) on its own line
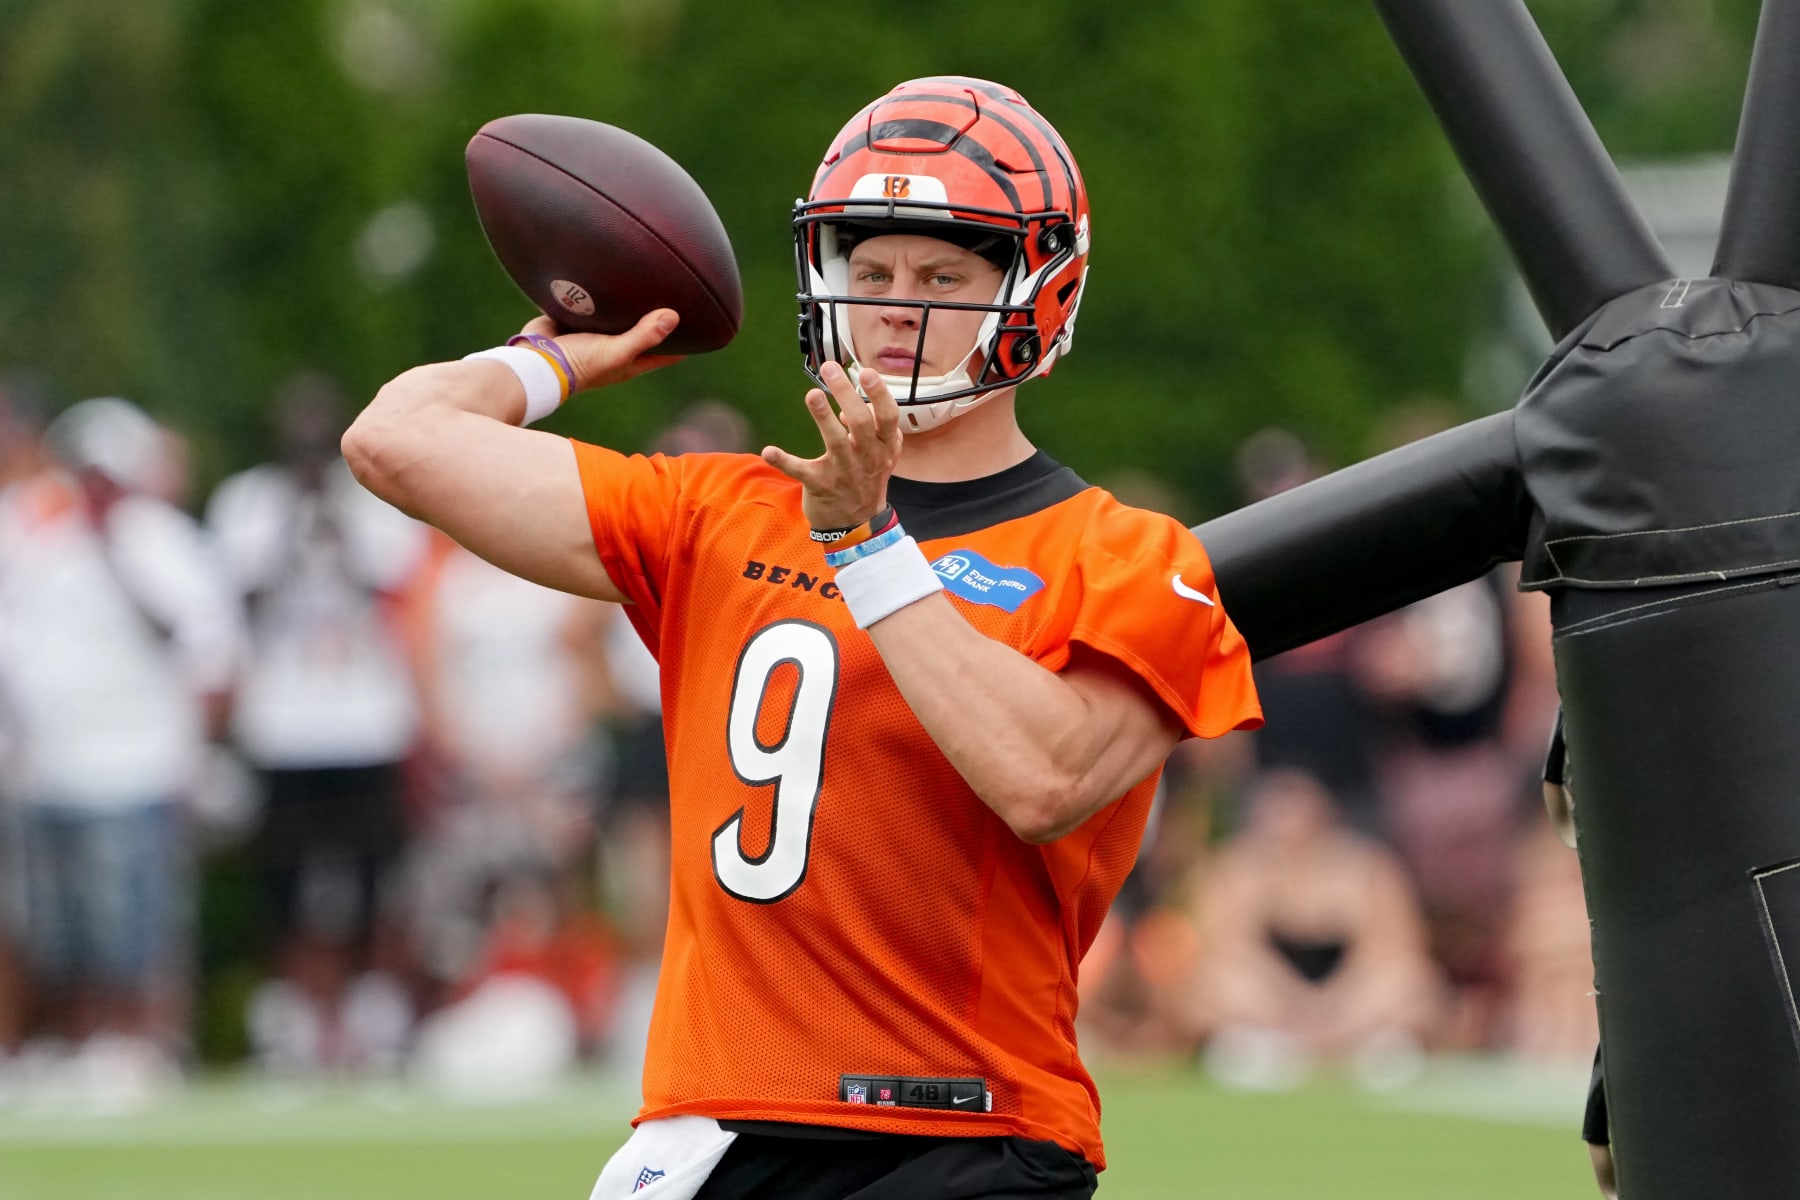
(919, 936)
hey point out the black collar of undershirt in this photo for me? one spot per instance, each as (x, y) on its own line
(941, 510)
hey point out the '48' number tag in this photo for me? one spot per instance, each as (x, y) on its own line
(795, 764)
(962, 1094)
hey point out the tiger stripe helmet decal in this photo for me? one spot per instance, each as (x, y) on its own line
(971, 162)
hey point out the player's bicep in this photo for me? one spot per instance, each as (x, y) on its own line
(514, 497)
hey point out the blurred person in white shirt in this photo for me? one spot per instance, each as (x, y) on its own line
(118, 641)
(326, 713)
(507, 749)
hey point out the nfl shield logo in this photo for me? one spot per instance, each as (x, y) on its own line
(646, 1177)
(856, 1093)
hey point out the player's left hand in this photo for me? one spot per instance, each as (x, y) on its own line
(847, 484)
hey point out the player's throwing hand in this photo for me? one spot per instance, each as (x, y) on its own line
(600, 360)
(846, 485)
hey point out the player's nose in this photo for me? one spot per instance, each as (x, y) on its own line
(898, 315)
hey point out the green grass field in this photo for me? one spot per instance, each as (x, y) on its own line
(1468, 1131)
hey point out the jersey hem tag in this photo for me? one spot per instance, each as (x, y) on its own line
(964, 1094)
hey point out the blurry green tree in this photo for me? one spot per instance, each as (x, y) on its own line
(198, 197)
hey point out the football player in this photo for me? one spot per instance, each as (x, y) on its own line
(918, 689)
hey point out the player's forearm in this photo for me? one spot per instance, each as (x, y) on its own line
(1023, 739)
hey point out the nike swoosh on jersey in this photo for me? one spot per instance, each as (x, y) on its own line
(1182, 589)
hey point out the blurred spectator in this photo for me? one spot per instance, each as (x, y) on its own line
(1311, 948)
(705, 427)
(1131, 983)
(326, 713)
(1271, 461)
(1419, 729)
(541, 992)
(1442, 678)
(1317, 718)
(541, 929)
(506, 753)
(626, 696)
(1439, 674)
(118, 641)
(1550, 1016)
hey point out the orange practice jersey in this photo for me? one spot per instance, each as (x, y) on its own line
(841, 901)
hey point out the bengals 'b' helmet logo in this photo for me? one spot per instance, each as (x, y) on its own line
(966, 160)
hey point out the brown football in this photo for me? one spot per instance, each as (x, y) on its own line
(599, 227)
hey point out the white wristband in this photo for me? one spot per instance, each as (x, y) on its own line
(543, 390)
(885, 582)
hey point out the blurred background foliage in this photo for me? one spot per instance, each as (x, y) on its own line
(200, 197)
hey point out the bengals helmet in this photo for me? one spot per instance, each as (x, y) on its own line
(972, 163)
